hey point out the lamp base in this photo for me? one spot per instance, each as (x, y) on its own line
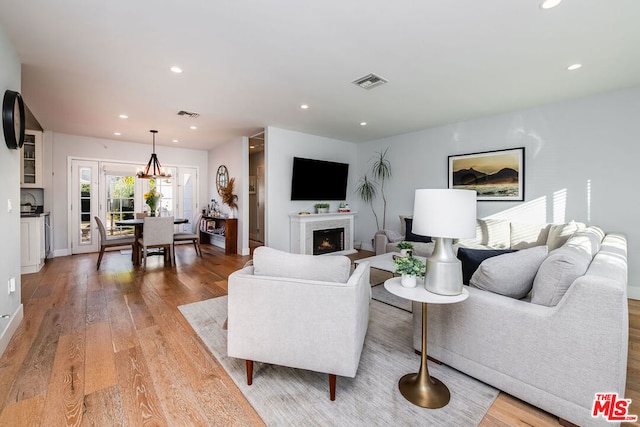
(444, 270)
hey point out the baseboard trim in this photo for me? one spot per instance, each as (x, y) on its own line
(11, 328)
(633, 292)
(61, 252)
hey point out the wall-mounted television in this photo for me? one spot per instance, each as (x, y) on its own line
(318, 180)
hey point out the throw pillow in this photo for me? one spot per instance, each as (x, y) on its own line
(410, 237)
(560, 233)
(274, 263)
(510, 274)
(556, 274)
(472, 258)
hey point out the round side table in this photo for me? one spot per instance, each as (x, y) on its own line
(422, 389)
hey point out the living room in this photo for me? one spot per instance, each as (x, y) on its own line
(579, 165)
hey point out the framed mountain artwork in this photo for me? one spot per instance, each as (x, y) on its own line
(495, 175)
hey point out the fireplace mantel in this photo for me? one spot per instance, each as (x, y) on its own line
(302, 227)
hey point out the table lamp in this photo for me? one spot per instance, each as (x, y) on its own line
(444, 214)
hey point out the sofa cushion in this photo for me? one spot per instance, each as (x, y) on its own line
(410, 237)
(560, 233)
(589, 240)
(492, 233)
(472, 258)
(557, 272)
(326, 268)
(510, 274)
(527, 234)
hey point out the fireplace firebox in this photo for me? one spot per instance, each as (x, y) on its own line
(327, 241)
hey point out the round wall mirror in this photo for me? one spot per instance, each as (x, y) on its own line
(222, 178)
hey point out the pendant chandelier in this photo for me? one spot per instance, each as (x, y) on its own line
(153, 168)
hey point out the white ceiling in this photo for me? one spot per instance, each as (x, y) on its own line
(251, 63)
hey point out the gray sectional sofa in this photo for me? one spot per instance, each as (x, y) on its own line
(558, 346)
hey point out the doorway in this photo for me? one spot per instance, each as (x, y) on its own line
(256, 190)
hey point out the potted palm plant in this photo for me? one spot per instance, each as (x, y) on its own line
(411, 268)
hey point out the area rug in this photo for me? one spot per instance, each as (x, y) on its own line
(292, 397)
(379, 293)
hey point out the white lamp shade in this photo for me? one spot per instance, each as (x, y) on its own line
(449, 213)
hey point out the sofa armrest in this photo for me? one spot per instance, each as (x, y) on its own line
(319, 326)
(380, 243)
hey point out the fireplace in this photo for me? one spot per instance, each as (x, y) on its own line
(328, 240)
(303, 227)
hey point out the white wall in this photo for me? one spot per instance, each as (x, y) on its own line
(281, 146)
(9, 192)
(62, 146)
(581, 163)
(235, 156)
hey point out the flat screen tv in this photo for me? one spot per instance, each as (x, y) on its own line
(318, 180)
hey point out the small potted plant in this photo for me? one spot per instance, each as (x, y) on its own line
(406, 248)
(321, 207)
(411, 268)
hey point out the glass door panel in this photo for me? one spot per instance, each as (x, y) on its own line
(120, 203)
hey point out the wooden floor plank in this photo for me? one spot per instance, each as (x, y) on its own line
(100, 362)
(65, 394)
(104, 408)
(139, 399)
(26, 412)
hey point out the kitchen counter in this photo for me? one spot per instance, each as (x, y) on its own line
(33, 215)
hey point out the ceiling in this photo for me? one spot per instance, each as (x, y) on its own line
(248, 64)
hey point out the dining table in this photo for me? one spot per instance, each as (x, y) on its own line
(138, 223)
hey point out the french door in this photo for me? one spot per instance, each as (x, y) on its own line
(112, 192)
(83, 207)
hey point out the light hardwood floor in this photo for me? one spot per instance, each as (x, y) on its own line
(110, 347)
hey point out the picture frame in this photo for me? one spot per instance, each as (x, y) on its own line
(252, 185)
(496, 175)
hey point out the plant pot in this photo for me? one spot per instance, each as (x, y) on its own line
(322, 210)
(409, 280)
(406, 252)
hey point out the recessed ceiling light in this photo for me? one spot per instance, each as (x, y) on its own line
(193, 127)
(574, 67)
(363, 123)
(175, 141)
(548, 4)
(117, 133)
(123, 116)
(304, 107)
(176, 70)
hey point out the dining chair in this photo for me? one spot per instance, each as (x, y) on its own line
(182, 237)
(157, 232)
(111, 241)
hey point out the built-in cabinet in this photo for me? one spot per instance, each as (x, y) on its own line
(33, 244)
(220, 232)
(31, 160)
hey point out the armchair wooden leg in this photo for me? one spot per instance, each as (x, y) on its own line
(332, 387)
(249, 364)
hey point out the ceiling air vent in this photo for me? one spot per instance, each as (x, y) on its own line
(188, 114)
(370, 81)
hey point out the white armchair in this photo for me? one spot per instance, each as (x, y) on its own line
(300, 311)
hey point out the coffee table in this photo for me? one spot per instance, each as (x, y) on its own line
(384, 261)
(422, 389)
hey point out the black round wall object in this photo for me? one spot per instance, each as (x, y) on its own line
(13, 119)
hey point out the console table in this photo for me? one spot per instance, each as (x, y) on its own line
(220, 232)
